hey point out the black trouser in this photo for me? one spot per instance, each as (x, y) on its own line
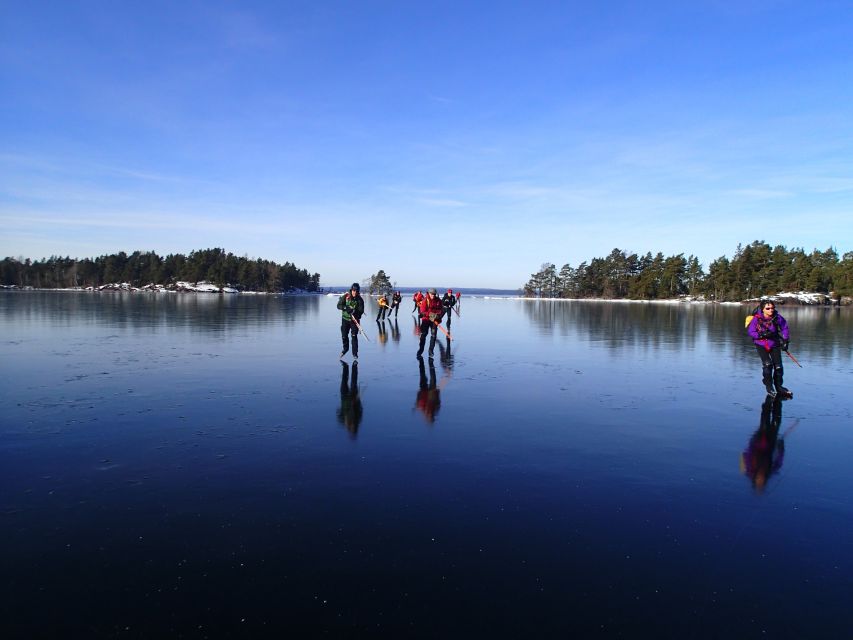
(448, 313)
(771, 367)
(381, 314)
(347, 327)
(427, 326)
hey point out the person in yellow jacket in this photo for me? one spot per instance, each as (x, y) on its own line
(383, 307)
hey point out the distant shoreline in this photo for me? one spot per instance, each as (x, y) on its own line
(180, 287)
(785, 298)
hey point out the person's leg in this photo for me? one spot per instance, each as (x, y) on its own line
(354, 331)
(766, 369)
(345, 326)
(778, 371)
(424, 329)
(433, 331)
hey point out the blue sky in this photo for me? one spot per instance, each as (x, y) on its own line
(448, 143)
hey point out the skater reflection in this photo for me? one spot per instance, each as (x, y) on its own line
(349, 413)
(395, 330)
(428, 400)
(766, 450)
(383, 335)
(446, 356)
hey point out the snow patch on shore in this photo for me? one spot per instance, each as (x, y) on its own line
(178, 287)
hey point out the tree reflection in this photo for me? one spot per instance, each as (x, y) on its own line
(818, 331)
(209, 313)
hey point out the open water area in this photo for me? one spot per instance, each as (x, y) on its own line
(204, 466)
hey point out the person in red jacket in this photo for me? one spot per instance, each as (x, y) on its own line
(431, 312)
(417, 297)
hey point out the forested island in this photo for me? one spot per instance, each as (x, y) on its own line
(755, 270)
(147, 268)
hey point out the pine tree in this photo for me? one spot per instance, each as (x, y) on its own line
(379, 283)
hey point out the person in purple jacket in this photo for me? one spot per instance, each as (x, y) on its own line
(769, 332)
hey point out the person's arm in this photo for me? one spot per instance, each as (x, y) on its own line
(752, 329)
(784, 332)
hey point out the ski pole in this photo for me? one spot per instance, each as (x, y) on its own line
(794, 359)
(437, 324)
(360, 330)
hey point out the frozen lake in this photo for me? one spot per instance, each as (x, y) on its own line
(195, 464)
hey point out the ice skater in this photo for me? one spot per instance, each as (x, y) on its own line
(396, 299)
(770, 334)
(383, 307)
(448, 301)
(351, 305)
(431, 311)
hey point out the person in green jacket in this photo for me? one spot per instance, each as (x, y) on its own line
(351, 305)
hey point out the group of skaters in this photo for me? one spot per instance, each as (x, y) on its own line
(767, 328)
(762, 458)
(430, 309)
(385, 305)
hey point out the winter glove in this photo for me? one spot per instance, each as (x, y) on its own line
(785, 345)
(433, 317)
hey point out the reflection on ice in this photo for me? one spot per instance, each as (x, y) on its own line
(428, 399)
(586, 454)
(765, 452)
(350, 412)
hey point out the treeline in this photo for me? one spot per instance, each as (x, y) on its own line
(143, 268)
(755, 270)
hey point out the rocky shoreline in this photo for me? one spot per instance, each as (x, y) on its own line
(178, 287)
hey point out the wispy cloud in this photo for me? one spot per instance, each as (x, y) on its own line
(77, 166)
(442, 202)
(439, 99)
(759, 194)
